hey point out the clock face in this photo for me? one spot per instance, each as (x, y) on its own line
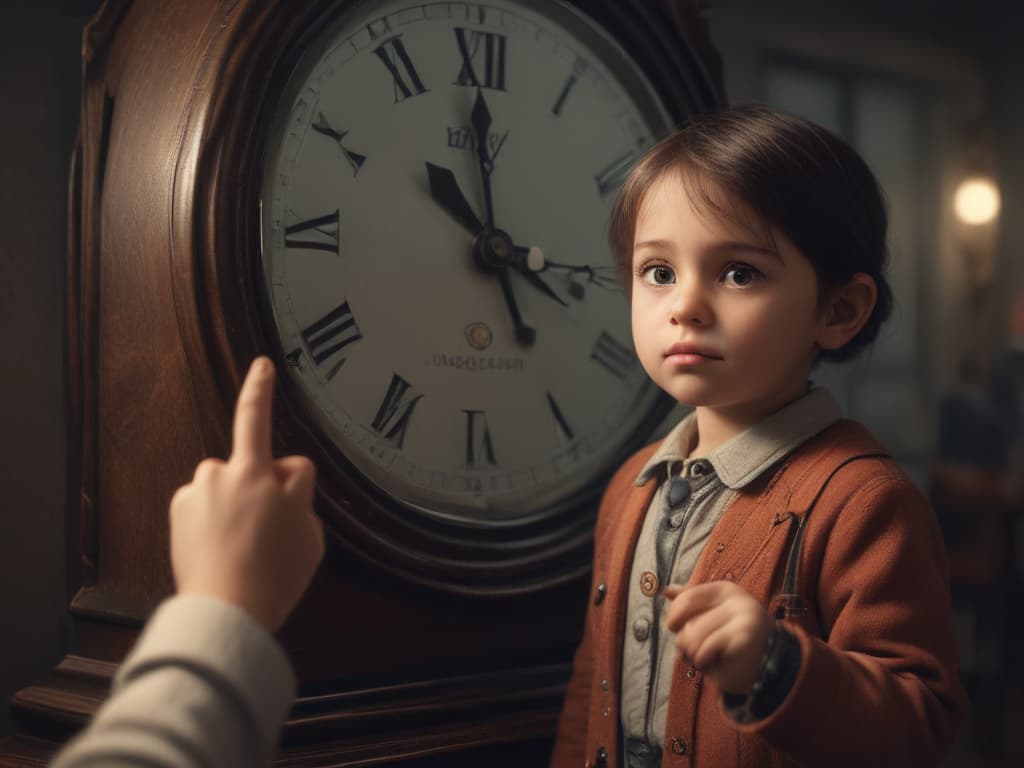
(434, 212)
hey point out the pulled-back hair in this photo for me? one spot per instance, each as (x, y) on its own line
(794, 175)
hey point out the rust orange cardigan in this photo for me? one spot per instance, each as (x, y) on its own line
(878, 683)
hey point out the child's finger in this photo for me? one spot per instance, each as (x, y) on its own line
(692, 633)
(711, 648)
(251, 437)
(694, 600)
(671, 591)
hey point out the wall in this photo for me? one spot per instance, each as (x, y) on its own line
(39, 86)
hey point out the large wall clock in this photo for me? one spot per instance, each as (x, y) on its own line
(405, 204)
(433, 189)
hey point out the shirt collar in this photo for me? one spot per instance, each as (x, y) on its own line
(742, 458)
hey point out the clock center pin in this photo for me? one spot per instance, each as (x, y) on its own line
(493, 250)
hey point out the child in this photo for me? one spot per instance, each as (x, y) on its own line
(814, 626)
(207, 684)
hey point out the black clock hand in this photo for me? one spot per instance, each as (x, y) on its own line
(481, 121)
(525, 335)
(445, 191)
(519, 254)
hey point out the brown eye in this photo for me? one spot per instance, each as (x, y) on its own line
(741, 276)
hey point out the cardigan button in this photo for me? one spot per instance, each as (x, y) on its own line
(648, 583)
(604, 685)
(601, 758)
(678, 746)
(601, 591)
(641, 630)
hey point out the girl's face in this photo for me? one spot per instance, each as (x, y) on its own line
(721, 319)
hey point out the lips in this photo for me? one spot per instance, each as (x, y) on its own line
(692, 351)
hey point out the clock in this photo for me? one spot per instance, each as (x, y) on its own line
(435, 279)
(405, 205)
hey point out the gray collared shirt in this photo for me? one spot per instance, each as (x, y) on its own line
(672, 539)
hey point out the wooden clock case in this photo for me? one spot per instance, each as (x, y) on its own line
(162, 321)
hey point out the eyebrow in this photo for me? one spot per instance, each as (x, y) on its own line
(731, 245)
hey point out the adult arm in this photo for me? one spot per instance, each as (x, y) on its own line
(205, 685)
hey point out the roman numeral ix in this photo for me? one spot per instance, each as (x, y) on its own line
(319, 234)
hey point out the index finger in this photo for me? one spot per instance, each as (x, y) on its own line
(251, 437)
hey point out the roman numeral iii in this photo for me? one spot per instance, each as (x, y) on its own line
(612, 355)
(610, 177)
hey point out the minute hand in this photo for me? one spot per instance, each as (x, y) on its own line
(481, 120)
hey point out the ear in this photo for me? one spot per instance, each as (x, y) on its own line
(847, 310)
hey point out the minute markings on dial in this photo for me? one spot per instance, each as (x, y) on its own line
(479, 445)
(329, 335)
(563, 432)
(323, 127)
(613, 356)
(493, 55)
(407, 82)
(578, 68)
(327, 227)
(395, 411)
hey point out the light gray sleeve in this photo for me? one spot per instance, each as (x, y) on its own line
(205, 685)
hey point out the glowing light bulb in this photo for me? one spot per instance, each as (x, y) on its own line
(976, 200)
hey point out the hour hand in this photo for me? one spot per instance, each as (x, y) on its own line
(445, 191)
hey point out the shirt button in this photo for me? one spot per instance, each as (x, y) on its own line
(605, 712)
(678, 746)
(648, 583)
(604, 685)
(601, 758)
(599, 596)
(641, 629)
(690, 673)
(729, 576)
(719, 547)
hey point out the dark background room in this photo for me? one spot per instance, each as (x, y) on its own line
(930, 92)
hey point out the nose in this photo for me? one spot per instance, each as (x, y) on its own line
(689, 304)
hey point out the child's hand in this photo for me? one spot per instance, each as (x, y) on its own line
(244, 530)
(722, 629)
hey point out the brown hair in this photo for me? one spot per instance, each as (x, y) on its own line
(794, 175)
